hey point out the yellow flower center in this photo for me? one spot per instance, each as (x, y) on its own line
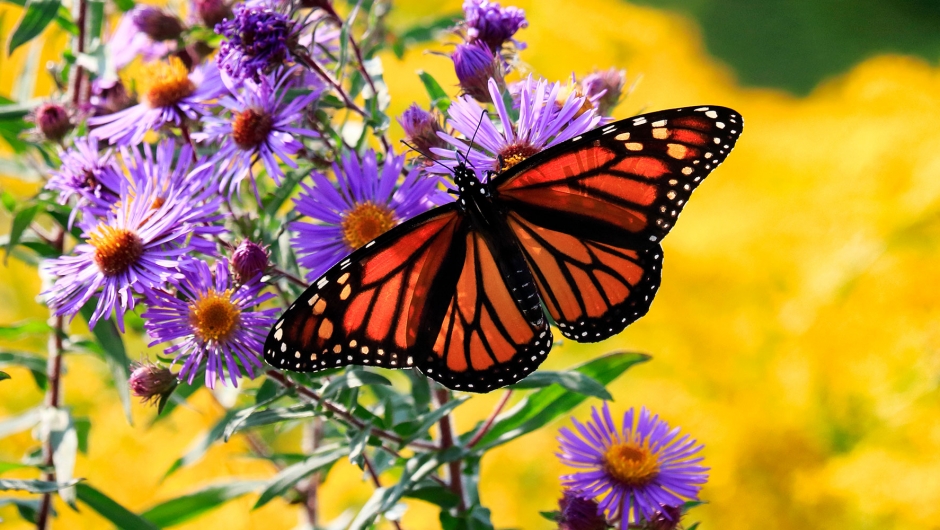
(250, 128)
(366, 222)
(631, 463)
(514, 154)
(164, 84)
(116, 249)
(214, 317)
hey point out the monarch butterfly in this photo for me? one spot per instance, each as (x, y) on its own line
(461, 292)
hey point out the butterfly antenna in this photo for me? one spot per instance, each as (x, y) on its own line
(472, 138)
(425, 155)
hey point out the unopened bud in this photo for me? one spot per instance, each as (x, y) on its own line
(605, 88)
(52, 120)
(211, 12)
(158, 24)
(576, 513)
(475, 64)
(249, 260)
(665, 519)
(151, 382)
(421, 128)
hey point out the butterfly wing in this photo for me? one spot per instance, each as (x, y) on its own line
(430, 293)
(590, 212)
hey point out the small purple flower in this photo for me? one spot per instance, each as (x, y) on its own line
(366, 203)
(170, 94)
(249, 260)
(491, 24)
(638, 469)
(109, 96)
(259, 126)
(421, 128)
(151, 382)
(134, 249)
(542, 123)
(157, 24)
(53, 121)
(258, 41)
(211, 319)
(211, 12)
(93, 177)
(475, 64)
(575, 513)
(129, 40)
(604, 88)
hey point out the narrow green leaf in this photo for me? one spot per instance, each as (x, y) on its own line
(552, 516)
(114, 354)
(439, 97)
(431, 418)
(28, 508)
(192, 505)
(108, 508)
(357, 444)
(36, 365)
(25, 327)
(34, 486)
(36, 16)
(14, 111)
(353, 378)
(291, 475)
(124, 5)
(278, 414)
(4, 375)
(10, 466)
(435, 494)
(202, 445)
(7, 198)
(95, 19)
(573, 381)
(242, 415)
(543, 406)
(21, 222)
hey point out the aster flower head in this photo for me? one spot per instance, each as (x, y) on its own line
(491, 24)
(366, 202)
(53, 121)
(576, 513)
(542, 123)
(130, 40)
(605, 88)
(258, 41)
(475, 64)
(151, 382)
(639, 468)
(169, 94)
(131, 251)
(421, 128)
(89, 175)
(259, 125)
(249, 260)
(211, 319)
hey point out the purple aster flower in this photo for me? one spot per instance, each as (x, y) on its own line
(421, 128)
(169, 94)
(249, 260)
(151, 382)
(489, 23)
(604, 88)
(475, 64)
(638, 469)
(542, 123)
(366, 203)
(211, 320)
(91, 176)
(129, 40)
(260, 125)
(162, 175)
(134, 249)
(258, 41)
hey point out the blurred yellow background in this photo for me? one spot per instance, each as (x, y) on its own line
(796, 333)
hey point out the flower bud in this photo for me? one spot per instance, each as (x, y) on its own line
(151, 382)
(158, 24)
(421, 128)
(576, 513)
(605, 88)
(665, 519)
(108, 97)
(475, 64)
(249, 260)
(52, 121)
(491, 24)
(211, 12)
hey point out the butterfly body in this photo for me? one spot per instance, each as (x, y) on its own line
(458, 292)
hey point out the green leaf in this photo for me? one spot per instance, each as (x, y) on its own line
(124, 5)
(106, 507)
(26, 327)
(21, 222)
(422, 32)
(242, 415)
(278, 414)
(4, 375)
(192, 505)
(435, 494)
(439, 98)
(283, 192)
(14, 111)
(27, 508)
(291, 475)
(95, 19)
(202, 445)
(36, 365)
(10, 466)
(36, 16)
(357, 444)
(573, 381)
(353, 378)
(543, 406)
(114, 355)
(552, 516)
(431, 418)
(34, 486)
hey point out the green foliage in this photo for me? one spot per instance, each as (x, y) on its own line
(36, 16)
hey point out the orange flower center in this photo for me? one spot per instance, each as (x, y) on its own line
(165, 83)
(365, 222)
(514, 154)
(566, 91)
(116, 249)
(214, 317)
(250, 128)
(631, 463)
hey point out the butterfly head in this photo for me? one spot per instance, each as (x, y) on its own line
(465, 178)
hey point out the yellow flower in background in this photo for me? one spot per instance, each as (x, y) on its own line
(796, 331)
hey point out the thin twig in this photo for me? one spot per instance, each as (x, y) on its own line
(310, 63)
(293, 279)
(447, 440)
(53, 396)
(344, 414)
(80, 49)
(489, 421)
